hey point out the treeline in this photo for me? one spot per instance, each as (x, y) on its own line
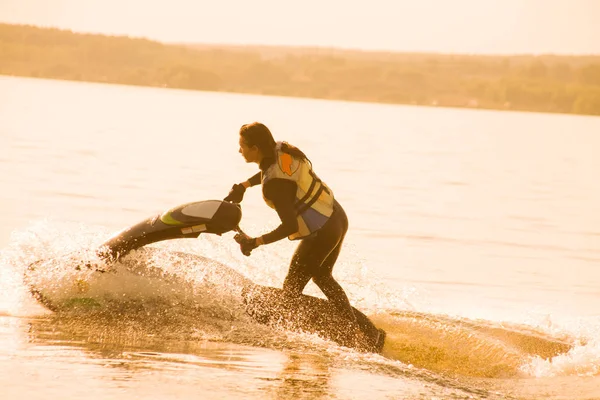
(564, 84)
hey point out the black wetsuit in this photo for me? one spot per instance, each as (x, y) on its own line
(316, 255)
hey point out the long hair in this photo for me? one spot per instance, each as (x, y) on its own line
(257, 134)
(293, 151)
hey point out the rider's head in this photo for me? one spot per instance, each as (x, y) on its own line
(256, 142)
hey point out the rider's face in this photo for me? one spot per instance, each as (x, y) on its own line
(250, 153)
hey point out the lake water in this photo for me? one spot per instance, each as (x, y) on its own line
(474, 241)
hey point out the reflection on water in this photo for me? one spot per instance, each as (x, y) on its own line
(304, 376)
(135, 357)
(131, 352)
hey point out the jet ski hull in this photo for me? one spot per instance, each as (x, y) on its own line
(271, 306)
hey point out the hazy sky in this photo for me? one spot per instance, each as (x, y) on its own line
(463, 26)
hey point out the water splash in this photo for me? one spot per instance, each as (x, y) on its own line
(583, 359)
(43, 239)
(178, 290)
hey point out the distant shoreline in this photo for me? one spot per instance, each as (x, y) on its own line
(547, 84)
(289, 96)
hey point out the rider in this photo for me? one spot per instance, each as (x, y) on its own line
(306, 207)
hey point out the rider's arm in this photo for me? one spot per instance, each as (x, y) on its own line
(253, 181)
(282, 193)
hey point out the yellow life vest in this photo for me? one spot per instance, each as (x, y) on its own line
(314, 199)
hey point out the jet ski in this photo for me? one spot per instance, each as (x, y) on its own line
(266, 305)
(185, 221)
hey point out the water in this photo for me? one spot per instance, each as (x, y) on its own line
(474, 241)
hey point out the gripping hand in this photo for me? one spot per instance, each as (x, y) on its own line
(247, 244)
(236, 194)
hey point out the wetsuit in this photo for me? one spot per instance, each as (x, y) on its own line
(316, 255)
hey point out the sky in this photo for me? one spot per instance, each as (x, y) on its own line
(443, 26)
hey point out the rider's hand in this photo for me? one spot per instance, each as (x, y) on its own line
(236, 194)
(247, 244)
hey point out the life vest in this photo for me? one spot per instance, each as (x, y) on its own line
(314, 199)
